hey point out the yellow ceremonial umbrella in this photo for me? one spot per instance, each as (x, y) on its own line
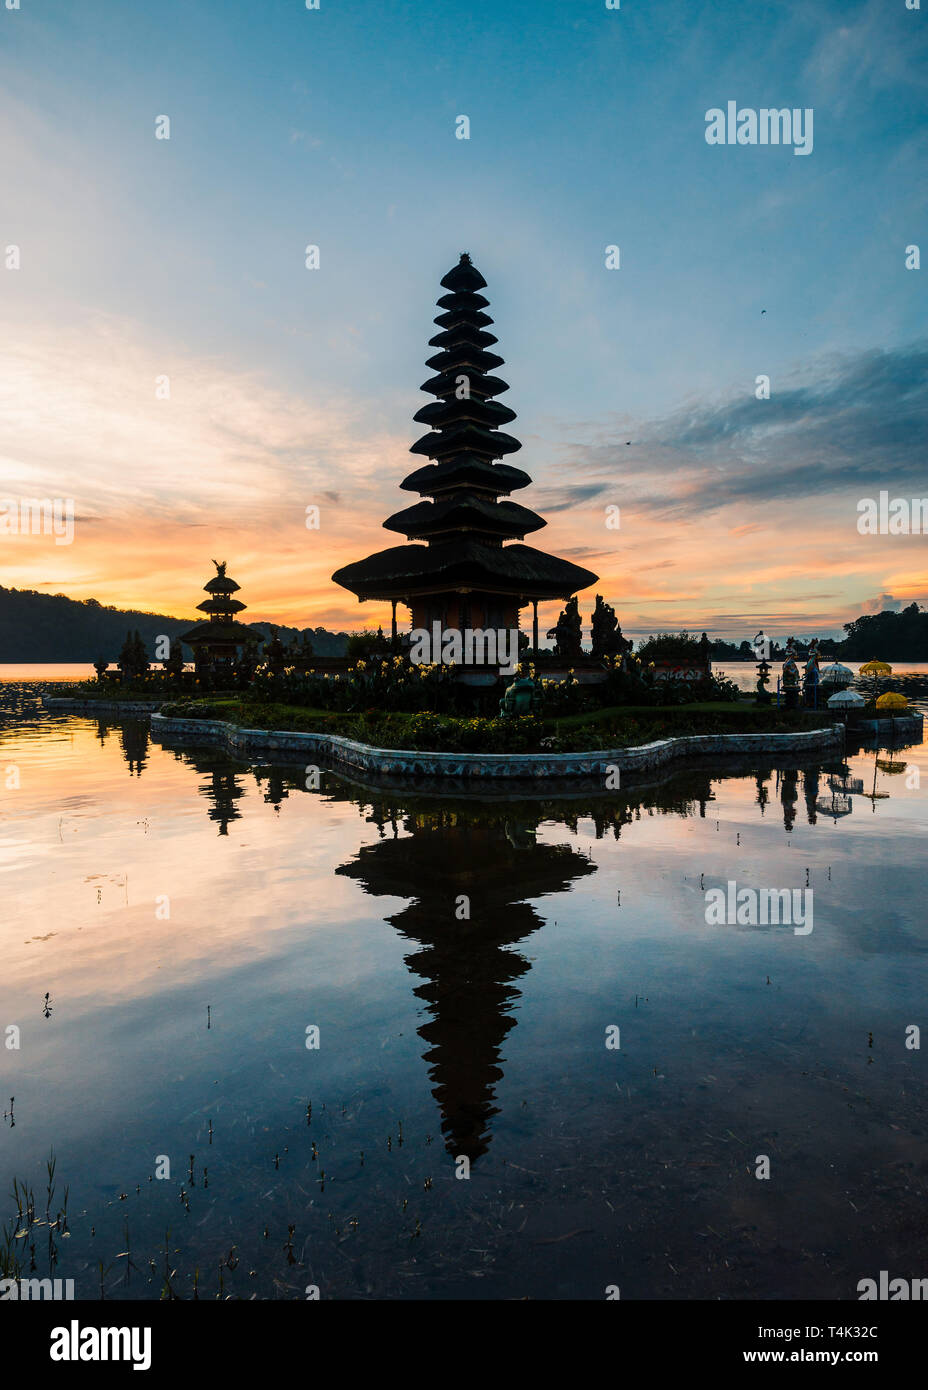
(876, 668)
(892, 700)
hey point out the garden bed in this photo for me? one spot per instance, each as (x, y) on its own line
(618, 727)
(312, 747)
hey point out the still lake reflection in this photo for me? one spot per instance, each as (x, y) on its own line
(189, 917)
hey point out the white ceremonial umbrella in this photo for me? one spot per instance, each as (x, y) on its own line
(846, 699)
(836, 674)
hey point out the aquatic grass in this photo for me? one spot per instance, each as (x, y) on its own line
(20, 1232)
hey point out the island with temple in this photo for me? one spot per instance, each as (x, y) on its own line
(462, 683)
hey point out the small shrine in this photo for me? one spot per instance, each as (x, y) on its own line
(217, 640)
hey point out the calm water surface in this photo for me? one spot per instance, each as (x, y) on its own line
(744, 673)
(189, 917)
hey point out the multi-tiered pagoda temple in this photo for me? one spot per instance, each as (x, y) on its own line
(216, 641)
(465, 575)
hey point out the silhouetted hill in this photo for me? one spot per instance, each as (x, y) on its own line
(51, 627)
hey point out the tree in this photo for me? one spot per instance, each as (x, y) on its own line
(887, 636)
(133, 659)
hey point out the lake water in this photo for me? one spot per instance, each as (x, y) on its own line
(174, 921)
(743, 673)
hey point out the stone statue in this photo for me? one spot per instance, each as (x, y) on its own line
(568, 632)
(606, 633)
(523, 696)
(248, 661)
(790, 675)
(811, 675)
(275, 654)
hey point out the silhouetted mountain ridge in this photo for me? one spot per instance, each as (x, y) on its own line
(52, 627)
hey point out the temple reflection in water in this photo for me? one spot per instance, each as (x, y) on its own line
(469, 966)
(498, 856)
(134, 740)
(493, 855)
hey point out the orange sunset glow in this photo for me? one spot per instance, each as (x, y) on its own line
(227, 466)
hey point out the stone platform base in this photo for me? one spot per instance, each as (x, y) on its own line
(903, 726)
(350, 755)
(87, 706)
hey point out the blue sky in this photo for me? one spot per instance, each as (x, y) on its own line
(337, 127)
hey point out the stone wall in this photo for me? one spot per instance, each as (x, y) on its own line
(903, 726)
(361, 757)
(102, 706)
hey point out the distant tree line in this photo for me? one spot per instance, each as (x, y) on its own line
(885, 636)
(888, 636)
(744, 651)
(52, 627)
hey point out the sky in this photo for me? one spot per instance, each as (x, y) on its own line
(184, 258)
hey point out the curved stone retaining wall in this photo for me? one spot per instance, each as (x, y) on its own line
(102, 706)
(907, 725)
(397, 761)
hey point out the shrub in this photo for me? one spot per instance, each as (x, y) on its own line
(721, 688)
(362, 645)
(192, 709)
(669, 644)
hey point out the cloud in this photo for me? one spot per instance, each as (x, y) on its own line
(859, 59)
(747, 529)
(881, 603)
(228, 453)
(234, 457)
(585, 552)
(564, 498)
(843, 428)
